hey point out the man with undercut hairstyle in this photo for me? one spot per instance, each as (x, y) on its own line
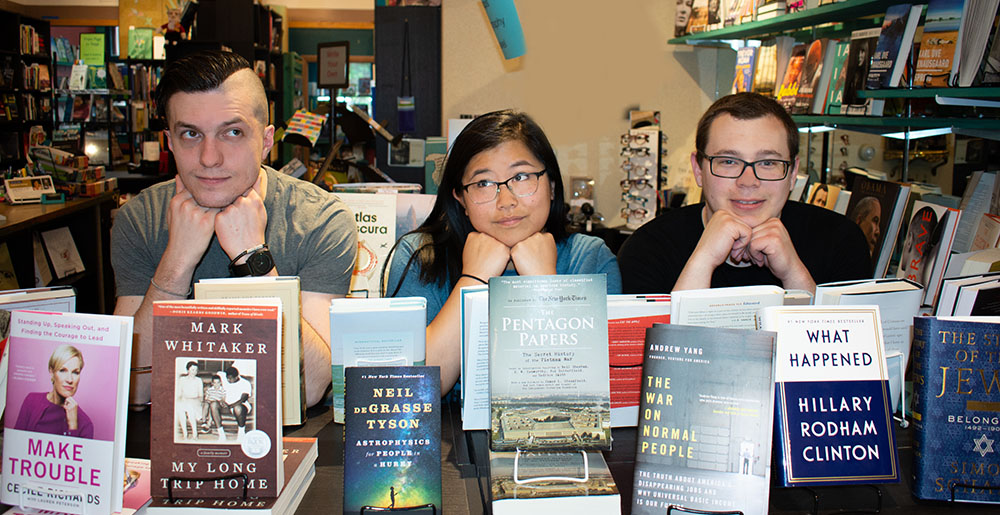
(226, 214)
(745, 232)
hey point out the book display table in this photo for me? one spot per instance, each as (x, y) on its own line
(465, 472)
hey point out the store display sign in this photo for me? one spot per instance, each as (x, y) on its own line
(333, 58)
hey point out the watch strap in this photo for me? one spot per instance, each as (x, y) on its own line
(243, 270)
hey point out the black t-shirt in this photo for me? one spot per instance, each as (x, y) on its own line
(830, 246)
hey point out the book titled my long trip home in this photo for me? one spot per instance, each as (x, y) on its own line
(832, 409)
(705, 420)
(64, 430)
(392, 439)
(956, 415)
(299, 465)
(216, 410)
(546, 482)
(287, 289)
(549, 379)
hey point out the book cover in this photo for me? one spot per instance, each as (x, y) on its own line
(140, 43)
(298, 465)
(733, 307)
(927, 245)
(705, 420)
(939, 42)
(789, 88)
(552, 482)
(862, 46)
(832, 408)
(216, 410)
(628, 318)
(286, 288)
(549, 363)
(434, 153)
(475, 378)
(374, 332)
(392, 438)
(745, 60)
(955, 417)
(893, 47)
(877, 208)
(763, 76)
(63, 255)
(411, 211)
(375, 216)
(67, 395)
(812, 72)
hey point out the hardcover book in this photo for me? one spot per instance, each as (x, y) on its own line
(956, 392)
(705, 420)
(216, 410)
(813, 65)
(877, 207)
(62, 252)
(374, 332)
(549, 363)
(733, 307)
(64, 430)
(863, 43)
(929, 237)
(832, 409)
(628, 318)
(942, 26)
(893, 47)
(392, 439)
(546, 482)
(298, 463)
(286, 288)
(375, 216)
(789, 89)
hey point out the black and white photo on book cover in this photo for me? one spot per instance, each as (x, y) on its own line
(214, 400)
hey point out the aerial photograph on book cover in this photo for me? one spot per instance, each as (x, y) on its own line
(214, 399)
(44, 374)
(392, 435)
(549, 375)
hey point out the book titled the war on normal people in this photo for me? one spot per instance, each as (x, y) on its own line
(956, 408)
(64, 430)
(831, 396)
(549, 362)
(228, 353)
(392, 439)
(705, 420)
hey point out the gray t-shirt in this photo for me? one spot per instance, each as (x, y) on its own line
(310, 233)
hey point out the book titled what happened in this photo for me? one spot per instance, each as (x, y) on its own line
(549, 378)
(392, 439)
(832, 396)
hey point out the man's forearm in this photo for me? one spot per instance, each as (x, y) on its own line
(316, 355)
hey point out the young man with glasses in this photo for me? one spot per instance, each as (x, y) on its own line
(745, 232)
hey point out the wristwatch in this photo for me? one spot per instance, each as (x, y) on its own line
(259, 262)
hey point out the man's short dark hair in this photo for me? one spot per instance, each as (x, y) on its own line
(747, 106)
(200, 71)
(190, 364)
(232, 372)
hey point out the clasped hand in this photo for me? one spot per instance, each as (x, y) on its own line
(767, 245)
(484, 256)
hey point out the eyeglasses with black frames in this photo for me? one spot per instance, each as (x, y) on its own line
(729, 167)
(523, 184)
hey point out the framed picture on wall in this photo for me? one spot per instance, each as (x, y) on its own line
(333, 64)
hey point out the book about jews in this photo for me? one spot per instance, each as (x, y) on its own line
(705, 420)
(286, 288)
(64, 433)
(549, 363)
(832, 407)
(546, 482)
(956, 411)
(216, 410)
(392, 438)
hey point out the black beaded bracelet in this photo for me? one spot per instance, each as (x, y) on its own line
(474, 277)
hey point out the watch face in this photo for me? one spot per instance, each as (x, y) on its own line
(260, 262)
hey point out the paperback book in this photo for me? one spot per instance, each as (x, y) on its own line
(893, 48)
(549, 363)
(392, 439)
(955, 417)
(743, 79)
(941, 38)
(705, 420)
(67, 395)
(216, 407)
(863, 44)
(832, 409)
(817, 61)
(789, 88)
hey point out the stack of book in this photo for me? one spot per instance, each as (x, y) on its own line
(72, 174)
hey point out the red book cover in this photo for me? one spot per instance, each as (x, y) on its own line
(216, 410)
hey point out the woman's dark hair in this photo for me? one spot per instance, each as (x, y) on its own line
(446, 228)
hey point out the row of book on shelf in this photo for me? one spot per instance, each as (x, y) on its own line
(700, 373)
(959, 47)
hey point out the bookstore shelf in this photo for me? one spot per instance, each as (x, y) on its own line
(830, 13)
(976, 92)
(896, 122)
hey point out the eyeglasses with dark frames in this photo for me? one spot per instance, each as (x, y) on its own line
(523, 184)
(729, 167)
(637, 182)
(635, 152)
(635, 199)
(635, 139)
(636, 213)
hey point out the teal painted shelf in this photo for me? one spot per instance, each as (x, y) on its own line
(931, 93)
(898, 122)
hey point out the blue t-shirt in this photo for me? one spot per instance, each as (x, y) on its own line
(577, 254)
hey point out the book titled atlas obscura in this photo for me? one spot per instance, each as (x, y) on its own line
(549, 378)
(392, 439)
(216, 411)
(831, 396)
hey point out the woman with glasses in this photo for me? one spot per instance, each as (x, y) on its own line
(499, 211)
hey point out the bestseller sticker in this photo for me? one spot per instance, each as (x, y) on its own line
(256, 444)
